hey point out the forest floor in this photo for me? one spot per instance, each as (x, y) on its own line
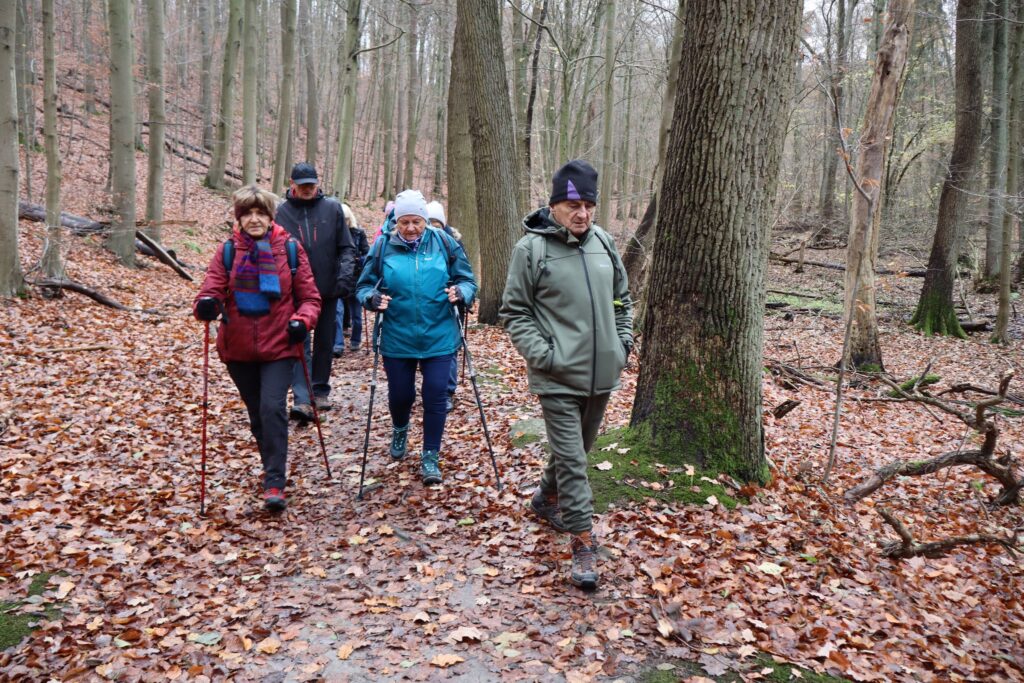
(109, 571)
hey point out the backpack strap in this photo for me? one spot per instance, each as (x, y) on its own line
(291, 247)
(228, 255)
(608, 249)
(538, 256)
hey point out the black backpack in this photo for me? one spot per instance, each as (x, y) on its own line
(291, 247)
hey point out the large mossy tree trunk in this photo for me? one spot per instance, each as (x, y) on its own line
(698, 397)
(935, 312)
(11, 278)
(864, 350)
(492, 130)
(228, 79)
(122, 130)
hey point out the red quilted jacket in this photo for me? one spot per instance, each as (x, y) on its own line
(262, 339)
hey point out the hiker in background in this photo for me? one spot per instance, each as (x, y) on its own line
(435, 211)
(415, 276)
(266, 316)
(389, 221)
(349, 311)
(567, 309)
(318, 223)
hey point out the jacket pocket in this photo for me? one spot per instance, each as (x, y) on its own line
(610, 363)
(549, 360)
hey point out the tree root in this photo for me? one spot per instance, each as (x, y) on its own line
(98, 297)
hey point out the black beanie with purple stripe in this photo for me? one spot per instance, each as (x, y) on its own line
(577, 181)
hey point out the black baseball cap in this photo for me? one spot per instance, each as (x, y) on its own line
(303, 173)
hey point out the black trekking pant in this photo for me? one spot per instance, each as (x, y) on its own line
(264, 390)
(322, 357)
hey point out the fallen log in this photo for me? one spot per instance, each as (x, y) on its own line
(82, 226)
(906, 272)
(99, 298)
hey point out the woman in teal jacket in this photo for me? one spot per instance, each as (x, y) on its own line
(415, 277)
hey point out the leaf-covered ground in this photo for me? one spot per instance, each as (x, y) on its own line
(99, 441)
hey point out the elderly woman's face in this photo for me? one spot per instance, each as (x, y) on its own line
(410, 227)
(255, 223)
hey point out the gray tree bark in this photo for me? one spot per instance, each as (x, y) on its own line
(122, 128)
(698, 396)
(286, 99)
(312, 94)
(412, 101)
(935, 312)
(205, 72)
(26, 74)
(461, 176)
(1013, 165)
(604, 204)
(157, 118)
(228, 78)
(346, 129)
(11, 279)
(998, 148)
(53, 262)
(250, 113)
(492, 129)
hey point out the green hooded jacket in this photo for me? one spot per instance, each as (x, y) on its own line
(567, 309)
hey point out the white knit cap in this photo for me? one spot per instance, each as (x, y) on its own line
(411, 203)
(435, 211)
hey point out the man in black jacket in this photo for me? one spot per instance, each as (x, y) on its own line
(318, 223)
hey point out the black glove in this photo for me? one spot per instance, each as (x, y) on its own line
(459, 299)
(296, 332)
(374, 301)
(207, 308)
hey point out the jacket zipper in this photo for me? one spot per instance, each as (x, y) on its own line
(593, 319)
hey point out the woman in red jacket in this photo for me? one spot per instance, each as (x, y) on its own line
(267, 315)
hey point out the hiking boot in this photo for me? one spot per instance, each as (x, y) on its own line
(322, 403)
(449, 403)
(584, 561)
(273, 500)
(545, 508)
(429, 470)
(338, 351)
(399, 442)
(353, 346)
(303, 412)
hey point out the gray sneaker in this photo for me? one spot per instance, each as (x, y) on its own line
(584, 563)
(546, 510)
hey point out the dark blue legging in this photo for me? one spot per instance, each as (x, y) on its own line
(401, 374)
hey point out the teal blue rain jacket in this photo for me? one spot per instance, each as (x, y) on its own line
(418, 322)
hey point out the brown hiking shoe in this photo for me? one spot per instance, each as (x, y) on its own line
(322, 403)
(303, 412)
(584, 561)
(546, 509)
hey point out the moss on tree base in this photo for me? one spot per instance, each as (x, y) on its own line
(934, 316)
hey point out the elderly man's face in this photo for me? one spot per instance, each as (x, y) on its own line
(575, 215)
(305, 190)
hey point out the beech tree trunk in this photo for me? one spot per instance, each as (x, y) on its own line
(205, 72)
(604, 204)
(26, 74)
(11, 280)
(998, 146)
(492, 129)
(250, 113)
(53, 263)
(832, 142)
(122, 129)
(412, 119)
(862, 245)
(312, 95)
(1013, 164)
(935, 312)
(346, 130)
(698, 397)
(286, 99)
(461, 176)
(157, 119)
(222, 141)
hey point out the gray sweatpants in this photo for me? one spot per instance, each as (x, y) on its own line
(571, 423)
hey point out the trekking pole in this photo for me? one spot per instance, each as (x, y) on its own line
(366, 336)
(316, 414)
(464, 329)
(476, 394)
(206, 393)
(377, 325)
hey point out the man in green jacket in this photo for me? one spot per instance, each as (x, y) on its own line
(567, 309)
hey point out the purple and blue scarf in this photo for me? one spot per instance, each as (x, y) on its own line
(256, 280)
